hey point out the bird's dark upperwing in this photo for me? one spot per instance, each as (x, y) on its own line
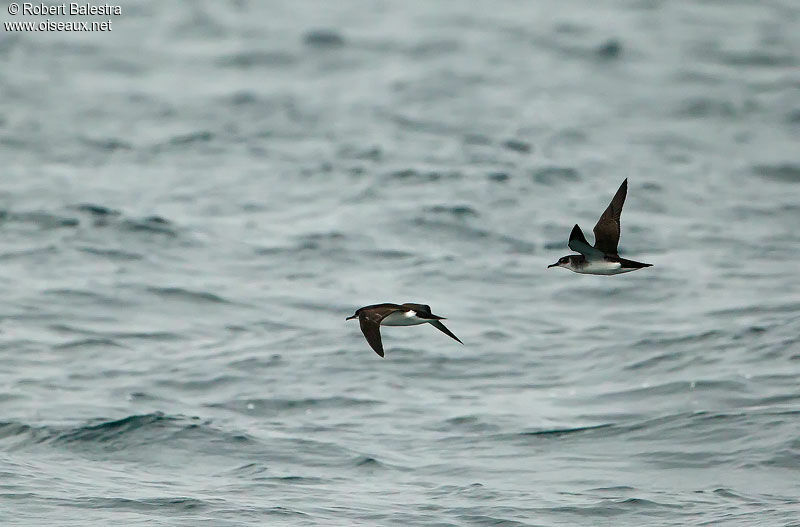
(371, 328)
(370, 321)
(606, 232)
(578, 243)
(441, 327)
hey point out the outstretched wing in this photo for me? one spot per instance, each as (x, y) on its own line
(441, 327)
(578, 243)
(371, 328)
(606, 232)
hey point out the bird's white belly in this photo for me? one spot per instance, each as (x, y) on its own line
(398, 318)
(602, 267)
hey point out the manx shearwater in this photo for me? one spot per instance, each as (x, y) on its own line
(372, 317)
(602, 258)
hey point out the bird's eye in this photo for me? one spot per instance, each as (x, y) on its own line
(564, 260)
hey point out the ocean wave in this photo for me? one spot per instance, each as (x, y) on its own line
(274, 406)
(127, 433)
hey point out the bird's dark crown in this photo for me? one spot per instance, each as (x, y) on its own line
(576, 259)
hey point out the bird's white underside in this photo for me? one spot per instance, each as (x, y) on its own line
(400, 318)
(600, 267)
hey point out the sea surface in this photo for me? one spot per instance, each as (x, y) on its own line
(193, 202)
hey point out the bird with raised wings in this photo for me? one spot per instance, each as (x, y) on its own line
(602, 258)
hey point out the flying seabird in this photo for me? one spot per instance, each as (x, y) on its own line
(372, 317)
(602, 258)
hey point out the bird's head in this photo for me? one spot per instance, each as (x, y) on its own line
(565, 261)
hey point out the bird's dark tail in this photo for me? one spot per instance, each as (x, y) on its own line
(630, 264)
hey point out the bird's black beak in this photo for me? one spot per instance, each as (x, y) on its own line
(350, 318)
(553, 265)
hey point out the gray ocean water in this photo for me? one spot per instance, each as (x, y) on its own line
(192, 203)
